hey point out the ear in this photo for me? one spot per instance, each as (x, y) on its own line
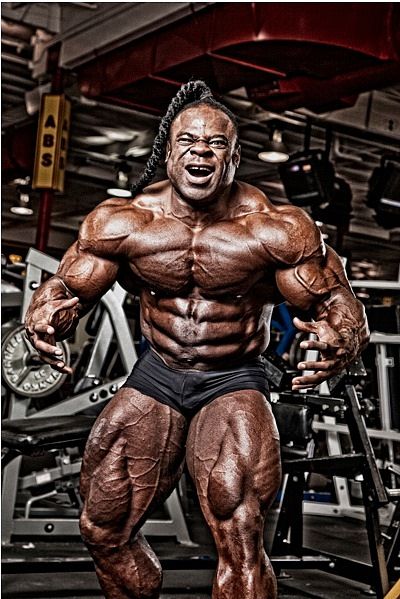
(167, 151)
(236, 156)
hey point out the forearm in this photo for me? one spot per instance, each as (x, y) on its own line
(346, 316)
(54, 289)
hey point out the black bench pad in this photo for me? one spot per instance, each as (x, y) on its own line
(28, 435)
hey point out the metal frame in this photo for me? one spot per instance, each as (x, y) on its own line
(289, 531)
(344, 507)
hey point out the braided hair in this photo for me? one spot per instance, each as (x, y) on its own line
(190, 94)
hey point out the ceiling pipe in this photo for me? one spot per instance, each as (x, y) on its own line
(23, 81)
(15, 59)
(16, 30)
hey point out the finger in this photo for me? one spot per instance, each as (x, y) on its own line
(314, 344)
(34, 338)
(308, 327)
(317, 365)
(58, 365)
(65, 304)
(43, 327)
(48, 348)
(64, 368)
(299, 387)
(310, 379)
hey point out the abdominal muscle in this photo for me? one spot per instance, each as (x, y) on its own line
(200, 333)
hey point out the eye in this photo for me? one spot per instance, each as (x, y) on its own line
(218, 143)
(185, 140)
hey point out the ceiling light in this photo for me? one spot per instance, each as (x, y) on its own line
(338, 211)
(275, 150)
(22, 207)
(383, 193)
(308, 178)
(117, 134)
(118, 192)
(137, 151)
(93, 140)
(122, 177)
(18, 181)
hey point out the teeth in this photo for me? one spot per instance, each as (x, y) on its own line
(199, 169)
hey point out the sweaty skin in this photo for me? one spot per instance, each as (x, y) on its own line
(209, 257)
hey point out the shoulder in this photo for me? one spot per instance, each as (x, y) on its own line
(289, 235)
(152, 197)
(109, 224)
(109, 218)
(248, 199)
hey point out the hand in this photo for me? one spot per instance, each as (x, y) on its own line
(40, 326)
(335, 354)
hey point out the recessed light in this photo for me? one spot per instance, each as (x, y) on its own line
(118, 192)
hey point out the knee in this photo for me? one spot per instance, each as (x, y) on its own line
(102, 534)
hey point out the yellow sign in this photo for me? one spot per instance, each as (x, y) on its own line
(62, 158)
(52, 142)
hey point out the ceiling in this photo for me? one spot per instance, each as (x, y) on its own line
(329, 69)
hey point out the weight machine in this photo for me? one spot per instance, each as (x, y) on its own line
(386, 433)
(42, 492)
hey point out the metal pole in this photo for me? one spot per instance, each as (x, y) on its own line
(47, 195)
(43, 226)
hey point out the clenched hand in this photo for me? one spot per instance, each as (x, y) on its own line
(41, 325)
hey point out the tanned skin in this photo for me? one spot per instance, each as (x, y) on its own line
(209, 257)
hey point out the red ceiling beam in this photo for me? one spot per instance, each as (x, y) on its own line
(324, 94)
(368, 28)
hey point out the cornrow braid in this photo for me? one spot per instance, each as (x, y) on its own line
(190, 94)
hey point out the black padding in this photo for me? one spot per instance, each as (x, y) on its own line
(293, 422)
(28, 435)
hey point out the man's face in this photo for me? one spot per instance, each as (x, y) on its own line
(202, 154)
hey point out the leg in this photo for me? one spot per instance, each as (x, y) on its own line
(133, 459)
(233, 457)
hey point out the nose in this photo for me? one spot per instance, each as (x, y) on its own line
(201, 148)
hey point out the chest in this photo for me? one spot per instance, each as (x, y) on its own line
(219, 258)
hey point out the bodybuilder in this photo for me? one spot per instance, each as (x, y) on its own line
(208, 256)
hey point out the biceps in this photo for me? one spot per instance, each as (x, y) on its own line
(293, 289)
(86, 275)
(313, 282)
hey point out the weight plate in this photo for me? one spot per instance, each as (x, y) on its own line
(24, 372)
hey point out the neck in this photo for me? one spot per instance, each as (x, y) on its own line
(195, 215)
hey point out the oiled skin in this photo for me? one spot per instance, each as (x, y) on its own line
(209, 258)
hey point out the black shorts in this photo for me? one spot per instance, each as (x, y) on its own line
(188, 391)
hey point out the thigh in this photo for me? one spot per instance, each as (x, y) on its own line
(132, 461)
(233, 455)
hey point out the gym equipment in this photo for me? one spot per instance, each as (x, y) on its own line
(33, 436)
(289, 532)
(23, 372)
(26, 506)
(296, 416)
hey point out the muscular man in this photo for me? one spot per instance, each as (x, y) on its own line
(209, 257)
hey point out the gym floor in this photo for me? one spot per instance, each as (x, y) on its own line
(346, 537)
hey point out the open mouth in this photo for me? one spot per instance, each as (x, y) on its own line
(200, 172)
